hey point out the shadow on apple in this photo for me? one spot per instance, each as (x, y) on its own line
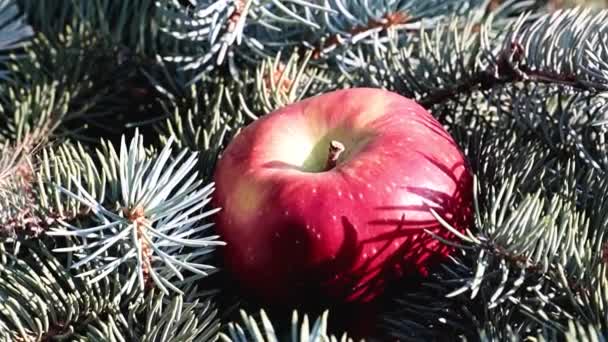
(417, 250)
(367, 281)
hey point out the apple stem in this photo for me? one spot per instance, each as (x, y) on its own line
(335, 149)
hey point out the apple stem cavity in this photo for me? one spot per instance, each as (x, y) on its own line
(335, 149)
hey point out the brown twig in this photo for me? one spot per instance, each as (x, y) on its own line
(508, 69)
(605, 253)
(138, 217)
(388, 20)
(16, 179)
(234, 18)
(273, 78)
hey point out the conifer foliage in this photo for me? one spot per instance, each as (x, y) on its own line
(113, 115)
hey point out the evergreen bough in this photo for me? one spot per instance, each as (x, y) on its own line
(113, 114)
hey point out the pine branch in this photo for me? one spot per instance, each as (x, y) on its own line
(531, 257)
(504, 129)
(282, 81)
(478, 53)
(32, 113)
(262, 330)
(584, 333)
(40, 300)
(19, 216)
(230, 31)
(219, 26)
(15, 32)
(202, 118)
(32, 201)
(149, 216)
(456, 55)
(105, 98)
(52, 95)
(63, 167)
(130, 27)
(421, 311)
(570, 56)
(174, 319)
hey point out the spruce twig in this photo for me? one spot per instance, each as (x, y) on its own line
(517, 61)
(262, 330)
(154, 225)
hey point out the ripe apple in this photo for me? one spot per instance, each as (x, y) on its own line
(331, 195)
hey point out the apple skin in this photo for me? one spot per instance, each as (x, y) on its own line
(294, 230)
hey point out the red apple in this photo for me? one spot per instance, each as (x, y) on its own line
(331, 196)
